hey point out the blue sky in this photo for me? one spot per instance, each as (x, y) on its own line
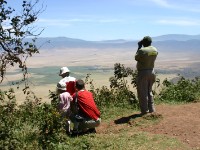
(117, 19)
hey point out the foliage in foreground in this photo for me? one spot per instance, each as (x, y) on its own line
(36, 125)
(32, 124)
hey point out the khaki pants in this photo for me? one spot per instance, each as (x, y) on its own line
(145, 81)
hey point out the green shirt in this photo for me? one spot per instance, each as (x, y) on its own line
(146, 57)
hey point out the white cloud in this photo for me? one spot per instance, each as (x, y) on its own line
(110, 20)
(53, 22)
(184, 5)
(68, 22)
(162, 3)
(61, 22)
(180, 22)
(6, 24)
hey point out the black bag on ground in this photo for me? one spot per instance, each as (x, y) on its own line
(79, 118)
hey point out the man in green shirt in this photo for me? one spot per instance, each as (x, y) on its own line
(145, 57)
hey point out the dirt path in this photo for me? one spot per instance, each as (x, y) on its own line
(180, 121)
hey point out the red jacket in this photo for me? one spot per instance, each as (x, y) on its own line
(87, 104)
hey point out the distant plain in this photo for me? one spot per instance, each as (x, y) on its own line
(99, 63)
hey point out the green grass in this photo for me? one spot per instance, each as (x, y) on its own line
(112, 113)
(29, 130)
(50, 74)
(134, 140)
(126, 136)
(37, 126)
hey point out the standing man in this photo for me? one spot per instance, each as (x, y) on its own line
(66, 78)
(145, 57)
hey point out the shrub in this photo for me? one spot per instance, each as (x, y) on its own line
(119, 93)
(30, 125)
(185, 90)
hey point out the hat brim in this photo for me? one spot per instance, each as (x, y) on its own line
(63, 89)
(63, 73)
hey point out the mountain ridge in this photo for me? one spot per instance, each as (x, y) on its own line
(170, 42)
(177, 37)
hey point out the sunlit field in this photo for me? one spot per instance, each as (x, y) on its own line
(99, 64)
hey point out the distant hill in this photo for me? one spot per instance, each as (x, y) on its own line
(64, 42)
(177, 37)
(171, 42)
(190, 46)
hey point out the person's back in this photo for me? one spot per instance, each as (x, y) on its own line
(70, 81)
(70, 84)
(85, 108)
(64, 103)
(146, 57)
(64, 99)
(87, 105)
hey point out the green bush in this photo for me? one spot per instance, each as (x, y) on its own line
(185, 90)
(119, 93)
(32, 125)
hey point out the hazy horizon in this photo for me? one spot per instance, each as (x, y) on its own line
(96, 20)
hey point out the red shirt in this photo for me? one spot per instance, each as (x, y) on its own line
(70, 87)
(70, 84)
(87, 104)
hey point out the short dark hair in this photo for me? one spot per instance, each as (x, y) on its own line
(147, 41)
(80, 84)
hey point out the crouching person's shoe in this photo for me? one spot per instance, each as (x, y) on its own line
(74, 133)
(91, 130)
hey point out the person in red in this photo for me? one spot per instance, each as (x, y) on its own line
(86, 110)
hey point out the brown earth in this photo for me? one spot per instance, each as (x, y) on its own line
(179, 121)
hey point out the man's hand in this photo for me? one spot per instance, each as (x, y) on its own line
(139, 44)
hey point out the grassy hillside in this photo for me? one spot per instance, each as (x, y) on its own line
(36, 125)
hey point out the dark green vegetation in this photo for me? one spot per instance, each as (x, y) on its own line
(36, 125)
(185, 90)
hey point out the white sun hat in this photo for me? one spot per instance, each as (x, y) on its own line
(63, 70)
(61, 86)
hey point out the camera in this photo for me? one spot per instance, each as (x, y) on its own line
(140, 43)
